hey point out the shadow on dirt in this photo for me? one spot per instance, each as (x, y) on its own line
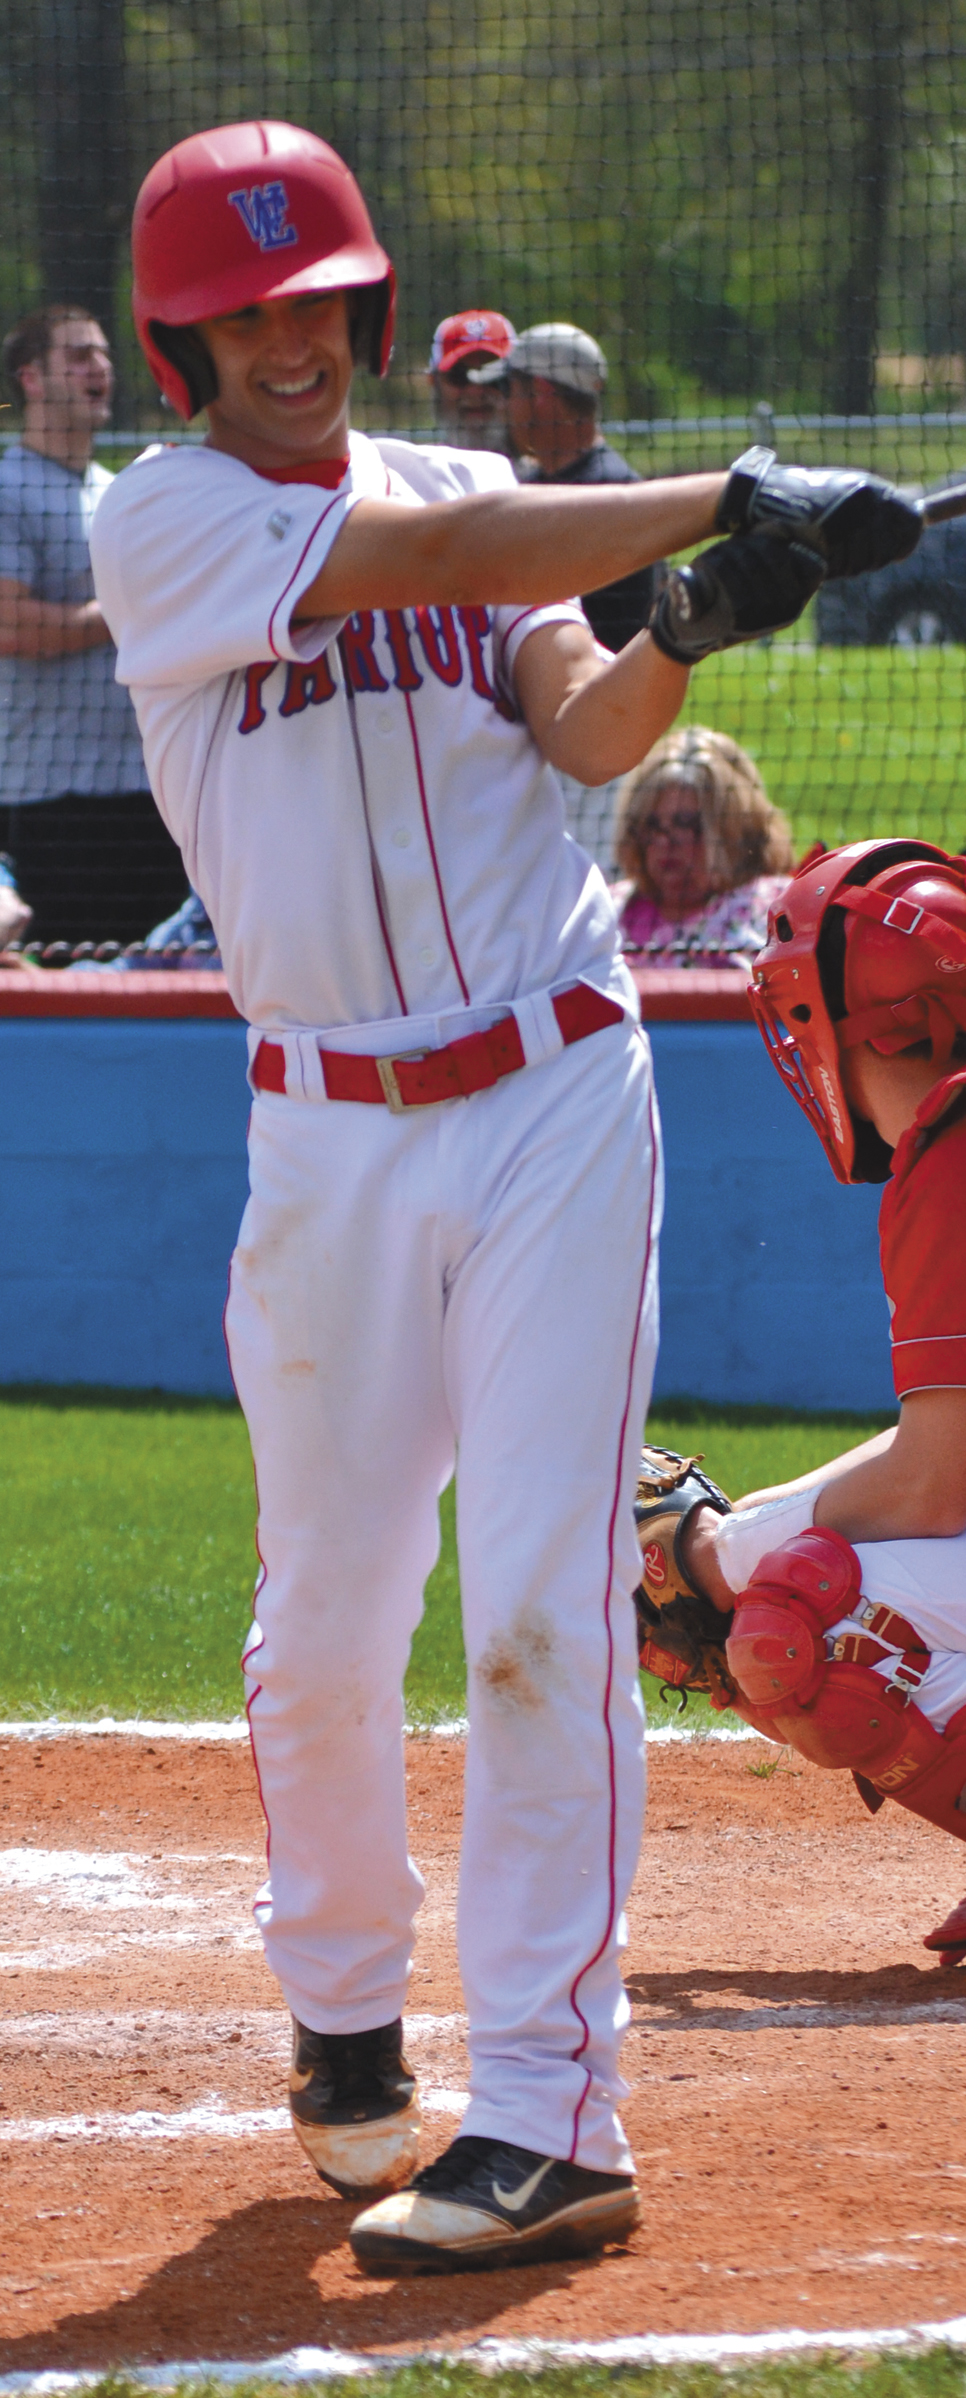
(249, 2290)
(760, 2000)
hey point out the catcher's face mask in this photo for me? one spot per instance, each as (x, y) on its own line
(868, 943)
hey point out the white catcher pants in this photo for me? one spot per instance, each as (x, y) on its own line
(482, 1274)
(924, 1580)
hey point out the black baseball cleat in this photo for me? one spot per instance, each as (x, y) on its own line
(486, 2203)
(354, 2107)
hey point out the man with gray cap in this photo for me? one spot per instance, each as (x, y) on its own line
(556, 378)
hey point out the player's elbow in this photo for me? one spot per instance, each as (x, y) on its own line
(948, 1516)
(937, 1505)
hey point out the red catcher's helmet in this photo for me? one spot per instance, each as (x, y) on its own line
(867, 943)
(246, 213)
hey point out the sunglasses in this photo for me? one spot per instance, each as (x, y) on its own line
(688, 826)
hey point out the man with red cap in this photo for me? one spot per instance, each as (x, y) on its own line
(470, 413)
(355, 666)
(844, 1593)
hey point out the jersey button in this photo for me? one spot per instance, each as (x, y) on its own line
(402, 839)
(427, 957)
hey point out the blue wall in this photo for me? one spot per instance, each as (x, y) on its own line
(122, 1181)
(770, 1284)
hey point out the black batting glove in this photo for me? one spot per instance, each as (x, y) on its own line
(855, 521)
(736, 591)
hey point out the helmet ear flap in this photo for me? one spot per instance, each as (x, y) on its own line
(184, 348)
(369, 307)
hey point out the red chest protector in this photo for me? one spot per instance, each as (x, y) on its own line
(823, 1699)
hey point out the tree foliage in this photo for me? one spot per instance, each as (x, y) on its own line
(742, 198)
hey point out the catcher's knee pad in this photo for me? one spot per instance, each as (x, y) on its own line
(930, 1783)
(836, 1713)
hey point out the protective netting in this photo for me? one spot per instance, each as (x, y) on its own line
(758, 210)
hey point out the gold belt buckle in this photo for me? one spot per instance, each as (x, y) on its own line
(386, 1070)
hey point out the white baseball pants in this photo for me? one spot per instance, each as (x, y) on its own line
(924, 1580)
(480, 1276)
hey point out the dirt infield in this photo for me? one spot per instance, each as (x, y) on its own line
(798, 2106)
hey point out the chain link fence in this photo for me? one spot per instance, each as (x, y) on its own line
(758, 210)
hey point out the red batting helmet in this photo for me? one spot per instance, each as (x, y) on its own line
(245, 213)
(867, 943)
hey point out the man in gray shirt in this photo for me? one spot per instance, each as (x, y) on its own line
(90, 853)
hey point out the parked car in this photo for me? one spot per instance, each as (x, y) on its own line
(917, 600)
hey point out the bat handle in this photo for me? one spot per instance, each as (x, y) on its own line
(939, 506)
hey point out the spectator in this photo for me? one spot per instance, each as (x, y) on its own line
(703, 850)
(188, 938)
(88, 849)
(14, 914)
(557, 376)
(471, 414)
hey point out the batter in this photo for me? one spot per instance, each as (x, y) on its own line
(355, 666)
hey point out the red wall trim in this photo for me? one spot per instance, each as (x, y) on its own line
(689, 995)
(692, 994)
(76, 992)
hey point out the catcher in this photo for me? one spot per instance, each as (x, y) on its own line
(831, 1611)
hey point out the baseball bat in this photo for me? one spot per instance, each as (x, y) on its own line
(939, 506)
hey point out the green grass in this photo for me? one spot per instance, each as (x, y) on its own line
(851, 742)
(938, 2372)
(129, 1560)
(906, 454)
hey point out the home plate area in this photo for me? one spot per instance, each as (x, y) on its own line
(796, 2061)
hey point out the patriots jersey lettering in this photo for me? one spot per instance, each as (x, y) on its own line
(263, 210)
(377, 653)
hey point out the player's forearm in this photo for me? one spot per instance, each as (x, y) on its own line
(871, 1503)
(606, 725)
(32, 628)
(504, 546)
(707, 1531)
(819, 1475)
(914, 1486)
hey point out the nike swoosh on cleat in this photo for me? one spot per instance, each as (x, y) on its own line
(515, 2200)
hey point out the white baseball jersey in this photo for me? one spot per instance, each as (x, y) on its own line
(370, 825)
(377, 837)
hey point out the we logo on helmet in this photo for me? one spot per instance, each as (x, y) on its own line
(655, 1565)
(263, 210)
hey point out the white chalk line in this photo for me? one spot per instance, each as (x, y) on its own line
(122, 1877)
(106, 1886)
(492, 2355)
(127, 2023)
(235, 1728)
(71, 1956)
(56, 1727)
(211, 2117)
(212, 2120)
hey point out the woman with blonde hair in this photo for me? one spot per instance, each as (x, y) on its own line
(703, 851)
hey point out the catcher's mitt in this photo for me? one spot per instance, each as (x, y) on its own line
(680, 1634)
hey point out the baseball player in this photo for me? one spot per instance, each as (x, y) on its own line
(355, 666)
(832, 1610)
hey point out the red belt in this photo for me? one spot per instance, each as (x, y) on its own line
(424, 1077)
